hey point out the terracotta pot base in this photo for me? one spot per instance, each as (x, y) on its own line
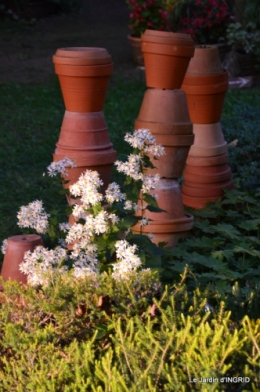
(206, 61)
(167, 107)
(14, 255)
(198, 203)
(206, 190)
(169, 199)
(169, 231)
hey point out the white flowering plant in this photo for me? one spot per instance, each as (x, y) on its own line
(100, 240)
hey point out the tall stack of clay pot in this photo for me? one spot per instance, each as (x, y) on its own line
(207, 171)
(164, 112)
(84, 75)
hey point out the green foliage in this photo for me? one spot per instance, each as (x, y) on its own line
(223, 253)
(239, 123)
(121, 337)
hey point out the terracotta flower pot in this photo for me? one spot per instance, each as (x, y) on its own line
(198, 203)
(83, 75)
(84, 138)
(83, 134)
(166, 58)
(206, 190)
(14, 255)
(169, 199)
(205, 96)
(206, 61)
(207, 161)
(209, 141)
(206, 102)
(168, 107)
(176, 148)
(135, 43)
(206, 174)
(102, 162)
(168, 231)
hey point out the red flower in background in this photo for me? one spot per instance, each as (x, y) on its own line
(208, 21)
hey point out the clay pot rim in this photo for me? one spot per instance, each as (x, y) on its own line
(83, 70)
(100, 158)
(214, 190)
(157, 128)
(207, 179)
(193, 168)
(168, 225)
(24, 238)
(166, 125)
(209, 89)
(195, 79)
(168, 38)
(84, 52)
(208, 151)
(81, 61)
(207, 160)
(198, 202)
(166, 50)
(174, 140)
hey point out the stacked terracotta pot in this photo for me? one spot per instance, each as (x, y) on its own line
(207, 171)
(164, 112)
(84, 75)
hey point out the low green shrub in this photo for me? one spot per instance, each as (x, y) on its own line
(122, 337)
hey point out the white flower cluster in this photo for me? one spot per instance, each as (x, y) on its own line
(131, 168)
(128, 260)
(87, 188)
(145, 141)
(42, 264)
(60, 167)
(33, 216)
(3, 247)
(113, 193)
(85, 261)
(140, 138)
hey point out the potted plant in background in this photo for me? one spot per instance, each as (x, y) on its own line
(146, 14)
(244, 37)
(207, 22)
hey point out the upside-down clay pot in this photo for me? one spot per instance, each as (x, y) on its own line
(206, 102)
(166, 58)
(206, 174)
(176, 148)
(168, 107)
(83, 74)
(84, 138)
(209, 141)
(168, 231)
(206, 61)
(14, 255)
(168, 196)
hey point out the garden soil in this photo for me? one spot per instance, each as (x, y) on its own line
(27, 47)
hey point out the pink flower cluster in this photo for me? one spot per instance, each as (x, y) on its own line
(208, 21)
(147, 14)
